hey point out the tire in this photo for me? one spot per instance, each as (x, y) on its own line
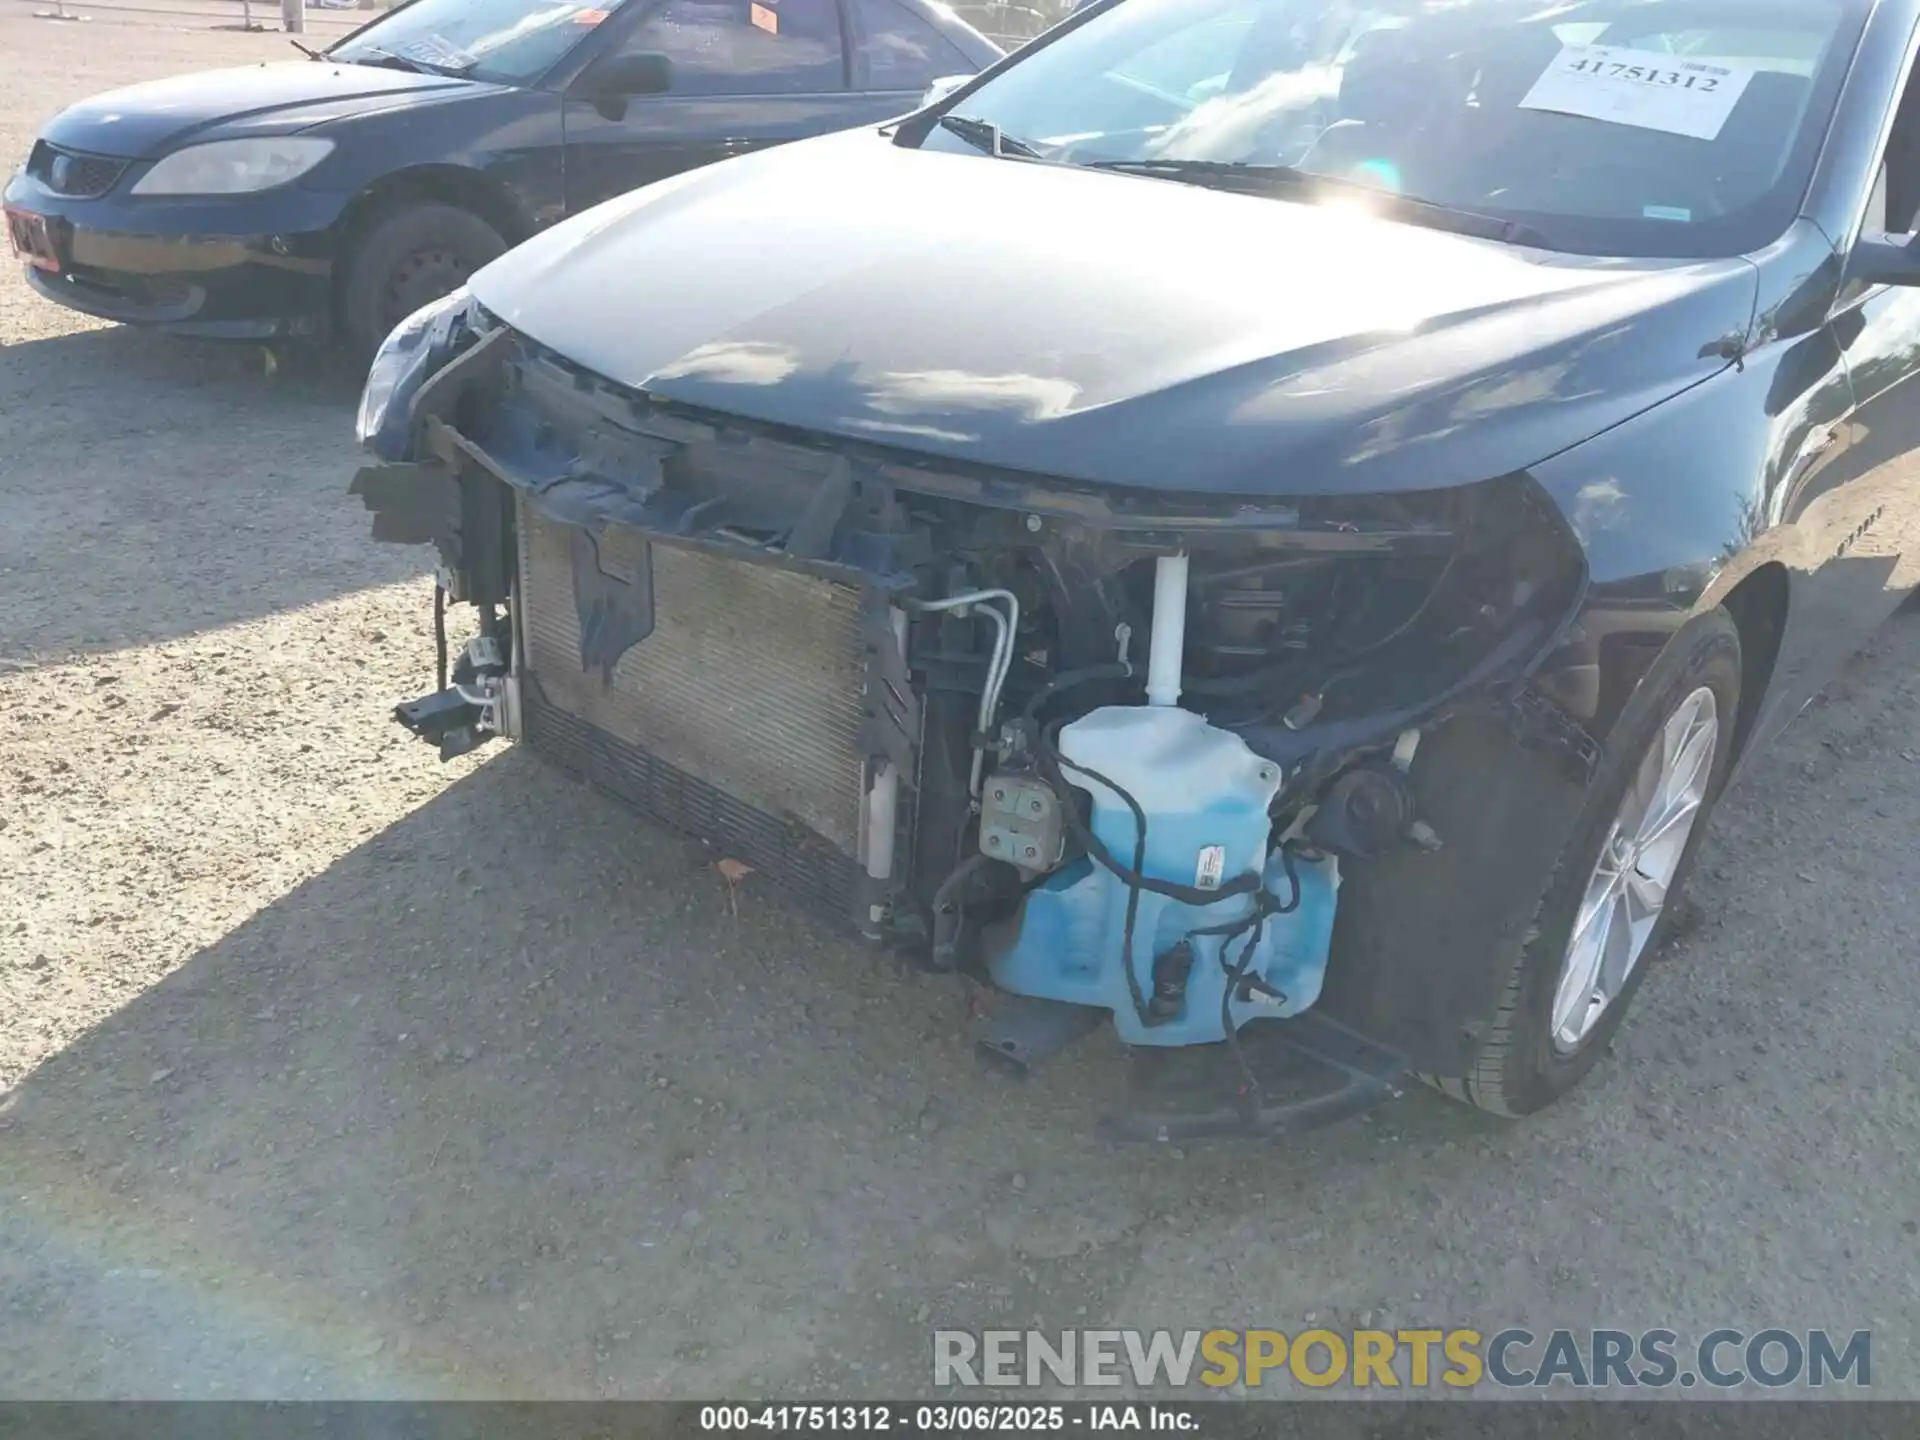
(410, 257)
(1524, 1066)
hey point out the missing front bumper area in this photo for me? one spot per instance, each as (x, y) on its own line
(916, 697)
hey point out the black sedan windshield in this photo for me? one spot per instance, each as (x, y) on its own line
(1629, 127)
(514, 41)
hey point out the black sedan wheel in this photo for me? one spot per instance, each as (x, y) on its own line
(409, 258)
(1611, 902)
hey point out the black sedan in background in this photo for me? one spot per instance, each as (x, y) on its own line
(334, 196)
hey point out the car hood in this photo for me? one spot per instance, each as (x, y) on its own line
(144, 121)
(1108, 329)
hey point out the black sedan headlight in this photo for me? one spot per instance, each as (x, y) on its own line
(418, 346)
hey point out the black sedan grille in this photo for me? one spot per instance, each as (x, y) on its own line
(72, 172)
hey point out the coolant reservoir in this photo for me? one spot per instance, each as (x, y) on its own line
(1205, 795)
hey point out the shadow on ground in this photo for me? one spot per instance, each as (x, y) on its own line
(444, 1119)
(548, 1117)
(154, 487)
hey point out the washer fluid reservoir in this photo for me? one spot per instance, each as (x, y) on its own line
(1205, 795)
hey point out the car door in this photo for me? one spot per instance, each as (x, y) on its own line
(1882, 349)
(1857, 511)
(745, 74)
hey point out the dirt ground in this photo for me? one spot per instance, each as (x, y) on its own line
(338, 1072)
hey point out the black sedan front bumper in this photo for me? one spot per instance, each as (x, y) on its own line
(242, 267)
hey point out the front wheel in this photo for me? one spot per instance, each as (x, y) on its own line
(410, 257)
(1611, 902)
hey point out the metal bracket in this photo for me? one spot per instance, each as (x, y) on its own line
(1200, 1092)
(1538, 723)
(1021, 1031)
(1021, 823)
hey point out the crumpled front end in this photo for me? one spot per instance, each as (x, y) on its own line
(1122, 756)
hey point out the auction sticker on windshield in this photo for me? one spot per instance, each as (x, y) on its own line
(1643, 88)
(438, 51)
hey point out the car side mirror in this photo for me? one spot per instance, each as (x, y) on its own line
(941, 88)
(623, 77)
(1882, 259)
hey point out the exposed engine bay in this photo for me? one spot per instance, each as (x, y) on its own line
(1112, 754)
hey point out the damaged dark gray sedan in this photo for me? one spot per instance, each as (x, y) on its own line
(1264, 522)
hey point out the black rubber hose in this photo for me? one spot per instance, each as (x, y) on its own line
(1237, 975)
(1141, 1007)
(945, 901)
(1134, 878)
(1100, 852)
(1518, 651)
(1052, 762)
(439, 638)
(1072, 679)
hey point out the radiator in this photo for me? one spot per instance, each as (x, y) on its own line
(738, 718)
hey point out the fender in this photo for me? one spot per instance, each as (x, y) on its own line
(1424, 942)
(1663, 546)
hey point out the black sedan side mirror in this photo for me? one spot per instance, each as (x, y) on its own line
(1882, 259)
(624, 76)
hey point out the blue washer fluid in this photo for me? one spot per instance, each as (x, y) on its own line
(1205, 794)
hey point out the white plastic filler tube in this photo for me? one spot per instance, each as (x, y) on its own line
(1169, 636)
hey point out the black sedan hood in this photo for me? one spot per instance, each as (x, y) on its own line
(145, 121)
(1107, 328)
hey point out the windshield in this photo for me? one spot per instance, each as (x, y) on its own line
(1618, 127)
(514, 41)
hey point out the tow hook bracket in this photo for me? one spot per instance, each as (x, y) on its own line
(446, 719)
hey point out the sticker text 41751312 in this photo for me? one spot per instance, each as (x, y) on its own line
(1644, 88)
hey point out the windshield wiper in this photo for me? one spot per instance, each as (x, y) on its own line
(1454, 220)
(987, 136)
(1229, 174)
(1253, 179)
(386, 59)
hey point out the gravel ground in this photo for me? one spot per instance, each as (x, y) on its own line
(338, 1072)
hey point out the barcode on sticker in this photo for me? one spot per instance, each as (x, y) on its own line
(1213, 864)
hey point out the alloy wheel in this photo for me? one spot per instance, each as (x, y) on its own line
(1627, 891)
